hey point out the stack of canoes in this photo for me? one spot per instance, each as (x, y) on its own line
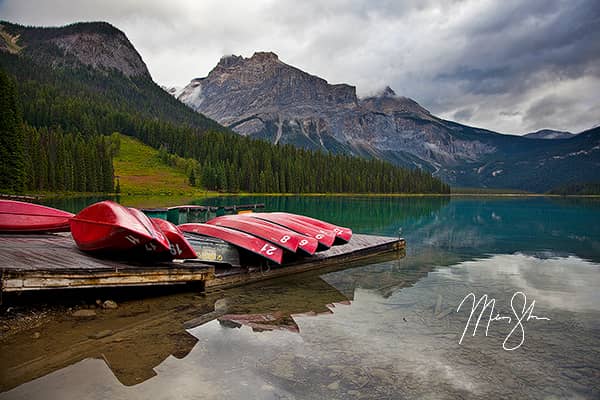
(17, 216)
(109, 228)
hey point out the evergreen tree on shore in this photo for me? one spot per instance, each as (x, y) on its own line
(68, 109)
(12, 155)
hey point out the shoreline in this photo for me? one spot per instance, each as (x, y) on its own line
(208, 194)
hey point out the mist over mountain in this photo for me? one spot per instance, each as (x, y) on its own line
(549, 134)
(265, 98)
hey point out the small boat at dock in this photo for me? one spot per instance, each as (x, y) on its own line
(108, 226)
(18, 216)
(280, 237)
(180, 247)
(325, 237)
(277, 234)
(342, 234)
(244, 240)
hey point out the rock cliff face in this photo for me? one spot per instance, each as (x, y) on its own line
(95, 44)
(265, 98)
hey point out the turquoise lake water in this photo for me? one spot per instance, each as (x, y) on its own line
(391, 329)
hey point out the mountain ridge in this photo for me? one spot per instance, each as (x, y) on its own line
(549, 134)
(265, 98)
(97, 84)
(99, 45)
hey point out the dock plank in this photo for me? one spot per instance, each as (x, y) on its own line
(53, 261)
(359, 247)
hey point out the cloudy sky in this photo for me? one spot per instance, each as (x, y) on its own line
(510, 66)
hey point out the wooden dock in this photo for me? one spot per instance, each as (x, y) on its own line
(52, 261)
(360, 247)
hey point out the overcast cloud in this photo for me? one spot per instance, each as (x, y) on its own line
(509, 66)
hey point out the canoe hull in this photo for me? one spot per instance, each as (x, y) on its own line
(248, 242)
(342, 234)
(18, 216)
(180, 248)
(306, 244)
(108, 226)
(325, 237)
(280, 237)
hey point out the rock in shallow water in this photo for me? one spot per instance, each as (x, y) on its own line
(84, 314)
(110, 305)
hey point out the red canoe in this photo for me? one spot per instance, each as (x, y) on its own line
(277, 235)
(237, 238)
(325, 237)
(159, 243)
(306, 244)
(17, 216)
(343, 234)
(180, 248)
(108, 226)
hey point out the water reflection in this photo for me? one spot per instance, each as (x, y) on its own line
(137, 337)
(404, 345)
(397, 338)
(466, 226)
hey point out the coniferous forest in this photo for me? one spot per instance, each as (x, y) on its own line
(56, 121)
(49, 159)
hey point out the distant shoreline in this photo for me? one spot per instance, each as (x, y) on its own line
(43, 195)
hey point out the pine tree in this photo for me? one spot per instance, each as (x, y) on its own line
(12, 144)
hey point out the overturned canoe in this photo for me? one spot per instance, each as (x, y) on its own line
(325, 237)
(108, 226)
(180, 247)
(342, 234)
(278, 234)
(18, 216)
(244, 240)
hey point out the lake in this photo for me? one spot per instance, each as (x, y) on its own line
(390, 328)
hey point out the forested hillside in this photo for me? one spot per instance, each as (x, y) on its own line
(48, 158)
(69, 105)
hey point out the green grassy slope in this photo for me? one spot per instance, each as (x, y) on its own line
(141, 171)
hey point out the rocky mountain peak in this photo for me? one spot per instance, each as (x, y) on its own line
(102, 46)
(229, 61)
(388, 92)
(96, 44)
(265, 56)
(239, 88)
(388, 102)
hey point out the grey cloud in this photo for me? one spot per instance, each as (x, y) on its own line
(488, 64)
(465, 114)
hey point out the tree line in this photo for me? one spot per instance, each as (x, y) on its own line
(71, 108)
(48, 159)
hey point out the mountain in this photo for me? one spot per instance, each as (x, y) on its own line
(95, 44)
(263, 97)
(549, 134)
(80, 83)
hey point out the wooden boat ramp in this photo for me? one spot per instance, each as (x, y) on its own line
(30, 262)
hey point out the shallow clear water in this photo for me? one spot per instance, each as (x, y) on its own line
(397, 337)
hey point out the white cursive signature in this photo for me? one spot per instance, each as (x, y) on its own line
(526, 314)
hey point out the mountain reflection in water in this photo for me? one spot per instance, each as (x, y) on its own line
(398, 336)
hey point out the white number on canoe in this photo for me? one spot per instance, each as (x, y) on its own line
(175, 250)
(303, 242)
(150, 246)
(319, 236)
(284, 239)
(268, 249)
(132, 239)
(337, 231)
